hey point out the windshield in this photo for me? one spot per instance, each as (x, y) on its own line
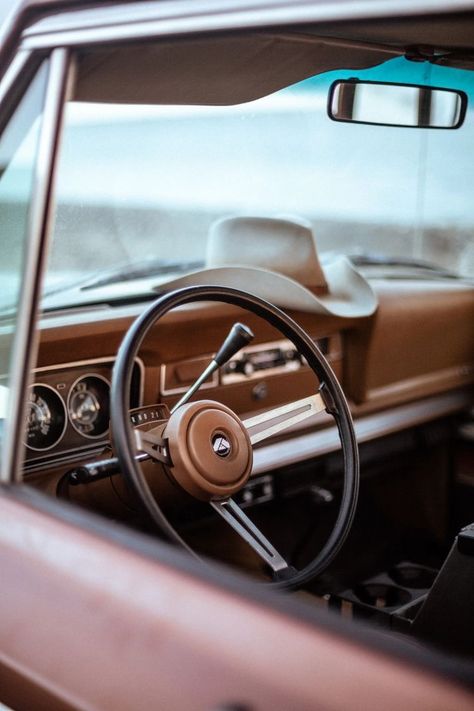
(145, 183)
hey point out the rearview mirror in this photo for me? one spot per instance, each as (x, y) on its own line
(409, 105)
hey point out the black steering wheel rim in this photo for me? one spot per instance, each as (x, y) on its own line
(335, 400)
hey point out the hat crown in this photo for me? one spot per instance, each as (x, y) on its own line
(284, 245)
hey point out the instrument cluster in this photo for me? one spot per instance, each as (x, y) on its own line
(68, 408)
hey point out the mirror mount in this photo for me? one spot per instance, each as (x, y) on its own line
(425, 53)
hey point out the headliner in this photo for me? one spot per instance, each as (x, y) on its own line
(395, 26)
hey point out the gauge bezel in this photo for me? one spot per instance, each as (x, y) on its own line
(79, 431)
(75, 446)
(66, 418)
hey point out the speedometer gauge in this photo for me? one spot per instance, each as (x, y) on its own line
(45, 419)
(88, 406)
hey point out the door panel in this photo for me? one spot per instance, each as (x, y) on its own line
(88, 623)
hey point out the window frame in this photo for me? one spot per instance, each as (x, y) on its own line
(24, 348)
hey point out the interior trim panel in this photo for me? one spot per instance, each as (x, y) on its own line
(316, 444)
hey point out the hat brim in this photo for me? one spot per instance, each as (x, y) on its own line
(349, 296)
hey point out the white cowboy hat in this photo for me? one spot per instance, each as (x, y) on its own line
(276, 258)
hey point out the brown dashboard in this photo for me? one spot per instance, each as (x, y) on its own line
(68, 410)
(419, 344)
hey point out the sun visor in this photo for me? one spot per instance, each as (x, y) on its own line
(213, 71)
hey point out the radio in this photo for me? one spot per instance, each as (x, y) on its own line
(267, 358)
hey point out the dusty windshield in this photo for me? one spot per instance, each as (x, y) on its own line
(145, 183)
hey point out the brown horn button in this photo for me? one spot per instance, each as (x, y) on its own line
(210, 450)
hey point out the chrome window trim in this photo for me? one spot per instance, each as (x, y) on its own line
(15, 81)
(138, 20)
(14, 71)
(39, 219)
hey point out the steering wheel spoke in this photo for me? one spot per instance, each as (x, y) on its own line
(277, 420)
(248, 531)
(152, 443)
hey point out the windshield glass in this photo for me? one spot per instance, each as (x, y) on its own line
(146, 182)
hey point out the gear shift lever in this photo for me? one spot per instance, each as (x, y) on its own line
(238, 337)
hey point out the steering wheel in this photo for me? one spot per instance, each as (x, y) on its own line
(207, 448)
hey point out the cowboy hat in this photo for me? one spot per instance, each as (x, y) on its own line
(276, 258)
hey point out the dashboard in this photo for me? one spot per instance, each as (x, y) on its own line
(392, 360)
(68, 410)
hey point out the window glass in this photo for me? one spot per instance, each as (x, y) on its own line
(18, 150)
(148, 181)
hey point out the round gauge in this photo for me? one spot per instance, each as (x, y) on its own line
(45, 419)
(88, 406)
